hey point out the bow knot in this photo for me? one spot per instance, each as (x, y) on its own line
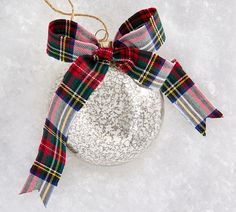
(104, 54)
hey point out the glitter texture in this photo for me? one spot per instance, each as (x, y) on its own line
(118, 122)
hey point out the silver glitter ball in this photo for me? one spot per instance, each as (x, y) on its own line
(117, 123)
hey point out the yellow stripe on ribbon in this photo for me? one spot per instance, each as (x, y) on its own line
(146, 73)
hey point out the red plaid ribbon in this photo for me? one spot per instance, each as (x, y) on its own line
(133, 53)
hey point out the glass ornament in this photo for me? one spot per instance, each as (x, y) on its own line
(117, 123)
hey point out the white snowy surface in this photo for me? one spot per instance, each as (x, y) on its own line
(181, 171)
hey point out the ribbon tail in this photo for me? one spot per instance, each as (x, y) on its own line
(48, 166)
(32, 183)
(188, 99)
(35, 183)
(82, 78)
(169, 77)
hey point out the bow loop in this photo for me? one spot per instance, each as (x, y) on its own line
(67, 40)
(143, 30)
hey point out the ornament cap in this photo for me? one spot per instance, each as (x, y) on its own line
(105, 44)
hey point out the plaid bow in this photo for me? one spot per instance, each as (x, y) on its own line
(131, 52)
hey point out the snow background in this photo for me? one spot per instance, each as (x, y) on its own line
(181, 171)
